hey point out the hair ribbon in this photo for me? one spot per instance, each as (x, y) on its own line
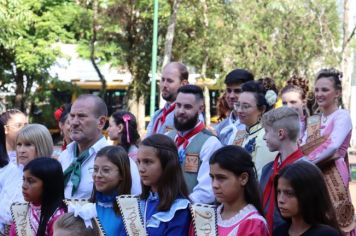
(126, 119)
(87, 212)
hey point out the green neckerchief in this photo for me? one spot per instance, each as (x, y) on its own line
(73, 172)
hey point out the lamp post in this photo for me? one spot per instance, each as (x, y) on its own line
(154, 59)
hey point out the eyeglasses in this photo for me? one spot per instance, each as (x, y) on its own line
(102, 171)
(242, 107)
(17, 125)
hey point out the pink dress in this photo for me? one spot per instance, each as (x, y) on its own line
(337, 127)
(247, 222)
(33, 215)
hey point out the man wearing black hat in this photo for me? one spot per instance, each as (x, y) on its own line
(233, 82)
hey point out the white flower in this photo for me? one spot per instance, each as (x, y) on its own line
(271, 97)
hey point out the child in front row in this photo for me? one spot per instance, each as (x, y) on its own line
(164, 200)
(304, 202)
(43, 189)
(282, 127)
(235, 186)
(112, 177)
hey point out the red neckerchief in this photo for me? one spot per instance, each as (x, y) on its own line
(269, 192)
(162, 118)
(185, 138)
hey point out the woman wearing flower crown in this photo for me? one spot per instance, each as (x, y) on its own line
(335, 128)
(123, 130)
(255, 100)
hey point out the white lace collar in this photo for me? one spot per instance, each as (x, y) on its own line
(236, 218)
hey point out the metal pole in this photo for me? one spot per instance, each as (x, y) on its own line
(154, 59)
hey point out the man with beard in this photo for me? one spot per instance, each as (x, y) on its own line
(228, 128)
(194, 142)
(174, 75)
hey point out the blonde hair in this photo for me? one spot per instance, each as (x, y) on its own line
(76, 225)
(283, 118)
(39, 136)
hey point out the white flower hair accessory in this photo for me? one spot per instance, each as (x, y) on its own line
(271, 97)
(87, 212)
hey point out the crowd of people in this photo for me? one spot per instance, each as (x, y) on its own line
(262, 170)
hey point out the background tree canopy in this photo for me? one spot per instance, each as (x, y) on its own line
(275, 38)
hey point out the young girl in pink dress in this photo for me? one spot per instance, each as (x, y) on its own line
(234, 182)
(43, 189)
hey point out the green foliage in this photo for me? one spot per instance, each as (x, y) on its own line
(271, 38)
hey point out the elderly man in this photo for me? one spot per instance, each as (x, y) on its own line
(87, 119)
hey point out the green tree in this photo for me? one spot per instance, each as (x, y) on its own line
(29, 31)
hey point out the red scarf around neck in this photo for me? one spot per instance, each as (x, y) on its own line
(269, 193)
(162, 118)
(185, 138)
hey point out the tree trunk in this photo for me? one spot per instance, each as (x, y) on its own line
(19, 90)
(92, 50)
(169, 40)
(206, 25)
(170, 33)
(346, 56)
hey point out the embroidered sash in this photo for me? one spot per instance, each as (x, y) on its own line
(204, 219)
(239, 137)
(19, 212)
(83, 202)
(130, 212)
(339, 194)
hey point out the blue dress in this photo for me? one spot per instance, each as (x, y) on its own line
(173, 222)
(111, 222)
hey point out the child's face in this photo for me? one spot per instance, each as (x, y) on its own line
(293, 100)
(32, 188)
(272, 138)
(106, 175)
(114, 130)
(149, 166)
(286, 198)
(25, 152)
(227, 187)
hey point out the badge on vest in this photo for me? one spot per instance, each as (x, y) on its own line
(168, 129)
(191, 163)
(239, 138)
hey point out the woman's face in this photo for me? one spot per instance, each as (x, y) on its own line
(286, 199)
(294, 100)
(25, 151)
(16, 122)
(106, 175)
(114, 130)
(326, 95)
(247, 109)
(32, 188)
(227, 187)
(149, 166)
